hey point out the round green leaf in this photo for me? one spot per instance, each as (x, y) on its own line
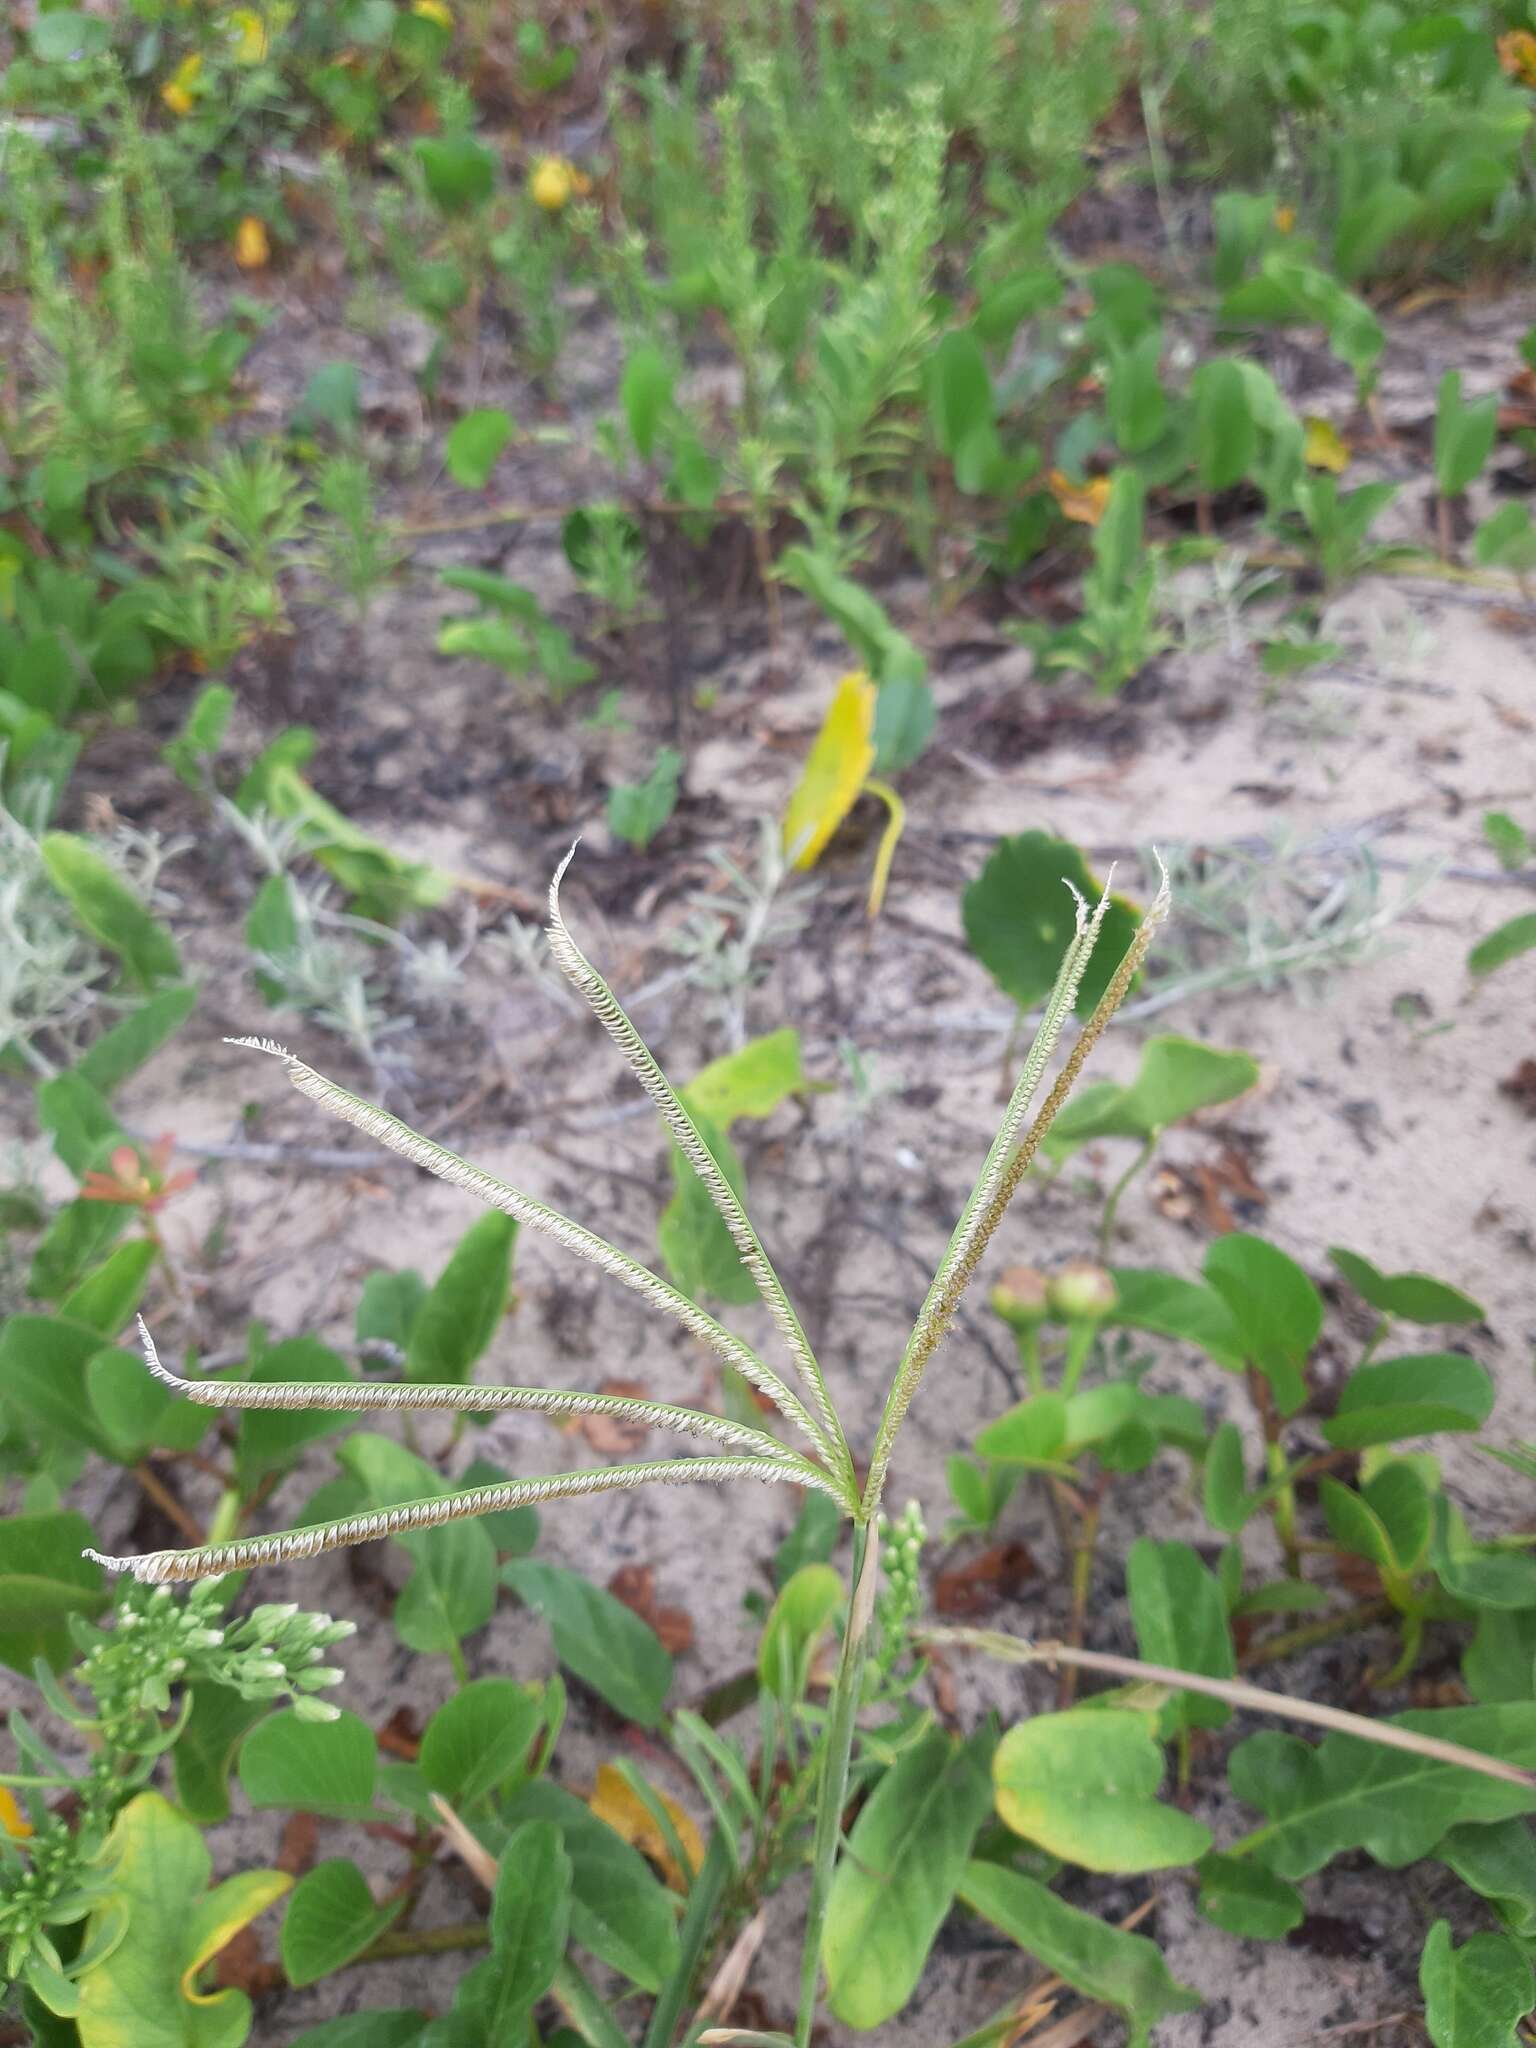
(1019, 919)
(324, 1767)
(1083, 1784)
(331, 1918)
(1413, 1396)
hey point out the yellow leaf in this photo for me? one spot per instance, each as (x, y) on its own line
(551, 183)
(1324, 446)
(895, 824)
(177, 90)
(248, 36)
(143, 1993)
(614, 1801)
(1285, 218)
(252, 249)
(219, 1916)
(1517, 55)
(841, 755)
(1083, 502)
(12, 1820)
(433, 10)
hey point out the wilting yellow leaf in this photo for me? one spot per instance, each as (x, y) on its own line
(12, 1820)
(628, 1815)
(1083, 502)
(247, 36)
(841, 755)
(177, 90)
(1324, 446)
(252, 249)
(433, 10)
(1517, 55)
(1285, 218)
(895, 824)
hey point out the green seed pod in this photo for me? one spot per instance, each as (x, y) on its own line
(1082, 1293)
(1022, 1298)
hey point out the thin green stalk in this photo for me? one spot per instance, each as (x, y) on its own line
(704, 1895)
(1293, 1641)
(1029, 1352)
(1080, 1336)
(842, 1715)
(1112, 1200)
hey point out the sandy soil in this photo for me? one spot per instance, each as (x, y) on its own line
(1379, 1123)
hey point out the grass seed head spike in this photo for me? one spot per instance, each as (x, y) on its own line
(291, 1396)
(642, 1063)
(388, 1131)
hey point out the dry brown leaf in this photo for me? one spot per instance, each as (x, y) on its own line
(973, 1589)
(1520, 1087)
(627, 1814)
(296, 1850)
(612, 1436)
(635, 1585)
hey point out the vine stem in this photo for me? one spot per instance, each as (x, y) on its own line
(843, 1713)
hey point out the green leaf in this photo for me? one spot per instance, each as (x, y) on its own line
(109, 911)
(905, 716)
(1243, 1898)
(1348, 1793)
(1499, 1862)
(1177, 1076)
(388, 1307)
(135, 1412)
(597, 1637)
(897, 1881)
(120, 1052)
(750, 1082)
(331, 1918)
(1227, 1501)
(1181, 1619)
(452, 1592)
(43, 1363)
(619, 1911)
(332, 398)
(1224, 430)
(324, 1767)
(1083, 1785)
(271, 1439)
(1414, 1396)
(513, 1530)
(465, 1304)
(1511, 843)
(1103, 1962)
(105, 1300)
(645, 392)
(1474, 1995)
(459, 171)
(83, 1123)
(530, 1918)
(43, 1580)
(397, 2027)
(480, 1738)
(474, 445)
(1019, 920)
(799, 1618)
(638, 810)
(144, 1994)
(1415, 1297)
(1500, 1662)
(1479, 1574)
(204, 1752)
(885, 651)
(1387, 1521)
(1171, 1307)
(961, 408)
(1464, 435)
(1505, 943)
(1277, 1310)
(1031, 1433)
(812, 1540)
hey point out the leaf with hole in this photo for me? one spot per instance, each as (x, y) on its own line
(1347, 1793)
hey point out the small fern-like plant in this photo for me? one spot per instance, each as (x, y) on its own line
(736, 1451)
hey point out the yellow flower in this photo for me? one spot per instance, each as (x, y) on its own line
(1083, 502)
(177, 90)
(13, 1821)
(433, 10)
(552, 181)
(252, 249)
(1517, 55)
(248, 36)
